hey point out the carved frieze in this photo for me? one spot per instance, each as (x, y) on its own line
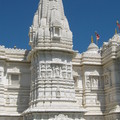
(49, 74)
(54, 70)
(69, 75)
(43, 74)
(43, 67)
(92, 82)
(63, 67)
(64, 75)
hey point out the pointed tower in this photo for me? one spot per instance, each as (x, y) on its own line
(52, 86)
(50, 29)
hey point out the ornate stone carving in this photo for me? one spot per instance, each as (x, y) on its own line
(64, 75)
(49, 74)
(92, 82)
(106, 78)
(88, 82)
(43, 74)
(69, 75)
(57, 71)
(7, 99)
(58, 93)
(62, 117)
(48, 67)
(69, 67)
(43, 66)
(63, 67)
(52, 70)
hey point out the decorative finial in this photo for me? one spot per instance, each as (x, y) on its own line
(15, 47)
(115, 31)
(91, 39)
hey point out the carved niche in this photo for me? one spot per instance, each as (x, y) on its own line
(92, 82)
(88, 82)
(107, 79)
(57, 71)
(58, 92)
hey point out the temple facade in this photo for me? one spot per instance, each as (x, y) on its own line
(54, 82)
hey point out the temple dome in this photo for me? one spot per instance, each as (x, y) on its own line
(116, 38)
(93, 47)
(92, 51)
(92, 55)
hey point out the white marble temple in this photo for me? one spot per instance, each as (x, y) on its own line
(54, 82)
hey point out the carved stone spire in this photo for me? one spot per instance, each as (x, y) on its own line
(52, 84)
(50, 27)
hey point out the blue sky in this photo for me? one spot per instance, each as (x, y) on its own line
(84, 16)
